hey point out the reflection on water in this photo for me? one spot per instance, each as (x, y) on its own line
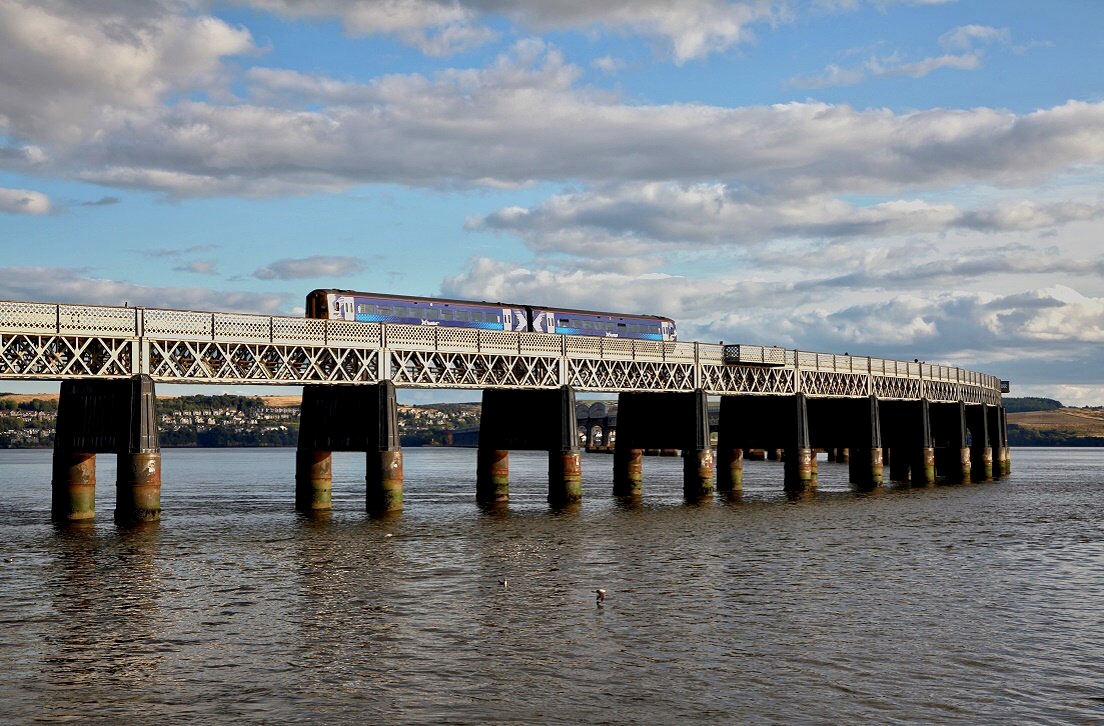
(970, 603)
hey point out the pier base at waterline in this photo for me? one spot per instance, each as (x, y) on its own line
(107, 416)
(349, 417)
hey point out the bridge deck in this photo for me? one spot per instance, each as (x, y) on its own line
(42, 341)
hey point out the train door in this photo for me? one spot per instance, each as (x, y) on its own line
(543, 321)
(514, 319)
(344, 308)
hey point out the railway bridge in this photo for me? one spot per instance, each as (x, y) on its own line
(928, 421)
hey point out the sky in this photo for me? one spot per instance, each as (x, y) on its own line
(894, 178)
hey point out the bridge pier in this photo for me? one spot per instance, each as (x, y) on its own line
(383, 479)
(998, 437)
(798, 458)
(565, 476)
(550, 426)
(1002, 455)
(313, 478)
(981, 451)
(74, 485)
(863, 427)
(492, 474)
(349, 417)
(778, 425)
(730, 466)
(628, 471)
(107, 416)
(952, 454)
(658, 421)
(908, 434)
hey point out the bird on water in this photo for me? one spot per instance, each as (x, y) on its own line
(599, 596)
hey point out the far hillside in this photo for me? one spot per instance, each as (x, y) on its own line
(1045, 422)
(1019, 405)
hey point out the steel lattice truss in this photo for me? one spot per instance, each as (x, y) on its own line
(450, 369)
(54, 342)
(747, 379)
(56, 357)
(191, 361)
(907, 388)
(627, 375)
(841, 385)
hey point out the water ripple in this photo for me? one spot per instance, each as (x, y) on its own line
(951, 604)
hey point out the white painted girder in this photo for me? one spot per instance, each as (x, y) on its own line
(53, 342)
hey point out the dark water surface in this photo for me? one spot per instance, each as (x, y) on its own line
(981, 603)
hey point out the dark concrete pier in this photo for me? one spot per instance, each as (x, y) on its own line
(349, 418)
(107, 416)
(548, 424)
(918, 442)
(663, 421)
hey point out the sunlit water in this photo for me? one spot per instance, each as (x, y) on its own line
(974, 604)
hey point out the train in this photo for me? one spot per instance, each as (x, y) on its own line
(371, 307)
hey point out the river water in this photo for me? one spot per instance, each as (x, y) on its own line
(980, 603)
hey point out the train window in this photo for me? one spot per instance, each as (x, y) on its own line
(463, 315)
(622, 325)
(446, 315)
(362, 309)
(564, 322)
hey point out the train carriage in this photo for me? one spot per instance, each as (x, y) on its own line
(407, 310)
(368, 307)
(606, 325)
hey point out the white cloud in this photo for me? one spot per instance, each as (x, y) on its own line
(886, 67)
(477, 128)
(460, 127)
(72, 70)
(199, 267)
(77, 286)
(307, 267)
(1067, 394)
(692, 28)
(647, 218)
(608, 64)
(23, 201)
(1021, 333)
(967, 36)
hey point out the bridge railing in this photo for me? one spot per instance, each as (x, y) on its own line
(163, 324)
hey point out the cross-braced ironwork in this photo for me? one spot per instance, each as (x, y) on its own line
(629, 375)
(69, 356)
(54, 342)
(747, 379)
(449, 369)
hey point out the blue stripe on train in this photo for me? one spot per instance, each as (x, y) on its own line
(362, 318)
